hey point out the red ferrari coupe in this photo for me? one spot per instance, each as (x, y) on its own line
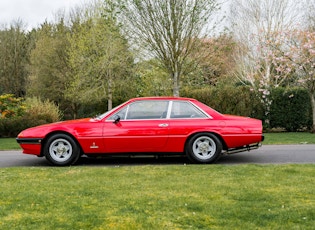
(151, 125)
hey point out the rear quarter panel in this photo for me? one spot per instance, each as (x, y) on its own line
(181, 129)
(235, 132)
(239, 131)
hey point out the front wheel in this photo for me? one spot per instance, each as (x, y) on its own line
(61, 150)
(203, 148)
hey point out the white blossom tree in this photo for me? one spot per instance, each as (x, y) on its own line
(295, 54)
(255, 25)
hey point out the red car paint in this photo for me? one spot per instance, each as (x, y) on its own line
(103, 135)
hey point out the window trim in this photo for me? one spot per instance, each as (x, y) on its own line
(207, 116)
(168, 115)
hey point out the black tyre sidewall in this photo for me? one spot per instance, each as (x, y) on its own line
(75, 150)
(189, 149)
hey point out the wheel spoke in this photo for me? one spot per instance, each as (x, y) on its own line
(54, 149)
(199, 142)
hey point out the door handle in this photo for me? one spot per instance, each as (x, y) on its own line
(163, 125)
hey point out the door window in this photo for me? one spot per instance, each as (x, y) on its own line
(143, 110)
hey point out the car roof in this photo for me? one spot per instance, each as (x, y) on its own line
(162, 98)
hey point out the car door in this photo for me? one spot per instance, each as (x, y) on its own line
(142, 128)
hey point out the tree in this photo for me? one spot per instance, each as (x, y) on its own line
(99, 57)
(255, 25)
(49, 67)
(168, 30)
(310, 14)
(14, 59)
(295, 54)
(151, 79)
(216, 64)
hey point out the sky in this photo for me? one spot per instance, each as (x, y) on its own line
(33, 12)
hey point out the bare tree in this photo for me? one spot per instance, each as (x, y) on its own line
(310, 14)
(168, 29)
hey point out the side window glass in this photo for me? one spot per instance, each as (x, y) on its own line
(147, 110)
(121, 113)
(181, 109)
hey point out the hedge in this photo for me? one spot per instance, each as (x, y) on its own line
(290, 109)
(229, 99)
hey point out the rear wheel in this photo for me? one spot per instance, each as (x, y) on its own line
(203, 148)
(61, 150)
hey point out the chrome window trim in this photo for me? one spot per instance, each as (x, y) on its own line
(169, 110)
(197, 107)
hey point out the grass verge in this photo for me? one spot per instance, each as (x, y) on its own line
(159, 197)
(8, 144)
(289, 138)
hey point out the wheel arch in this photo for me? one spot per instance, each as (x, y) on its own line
(224, 146)
(44, 141)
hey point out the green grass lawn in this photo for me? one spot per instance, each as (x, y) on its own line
(8, 144)
(289, 138)
(158, 197)
(270, 138)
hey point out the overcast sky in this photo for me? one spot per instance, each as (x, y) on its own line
(33, 12)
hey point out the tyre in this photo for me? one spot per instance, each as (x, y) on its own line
(61, 150)
(203, 148)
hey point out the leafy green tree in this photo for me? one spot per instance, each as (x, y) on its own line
(49, 67)
(152, 79)
(14, 58)
(99, 58)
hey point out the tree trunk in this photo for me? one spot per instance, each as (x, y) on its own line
(312, 95)
(176, 82)
(110, 95)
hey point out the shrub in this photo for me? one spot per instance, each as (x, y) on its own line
(35, 112)
(11, 106)
(290, 109)
(44, 111)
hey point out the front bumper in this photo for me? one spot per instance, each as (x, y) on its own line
(29, 140)
(30, 145)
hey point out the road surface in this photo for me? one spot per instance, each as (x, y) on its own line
(269, 154)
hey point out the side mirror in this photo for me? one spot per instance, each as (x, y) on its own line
(116, 119)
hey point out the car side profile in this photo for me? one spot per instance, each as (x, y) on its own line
(150, 125)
